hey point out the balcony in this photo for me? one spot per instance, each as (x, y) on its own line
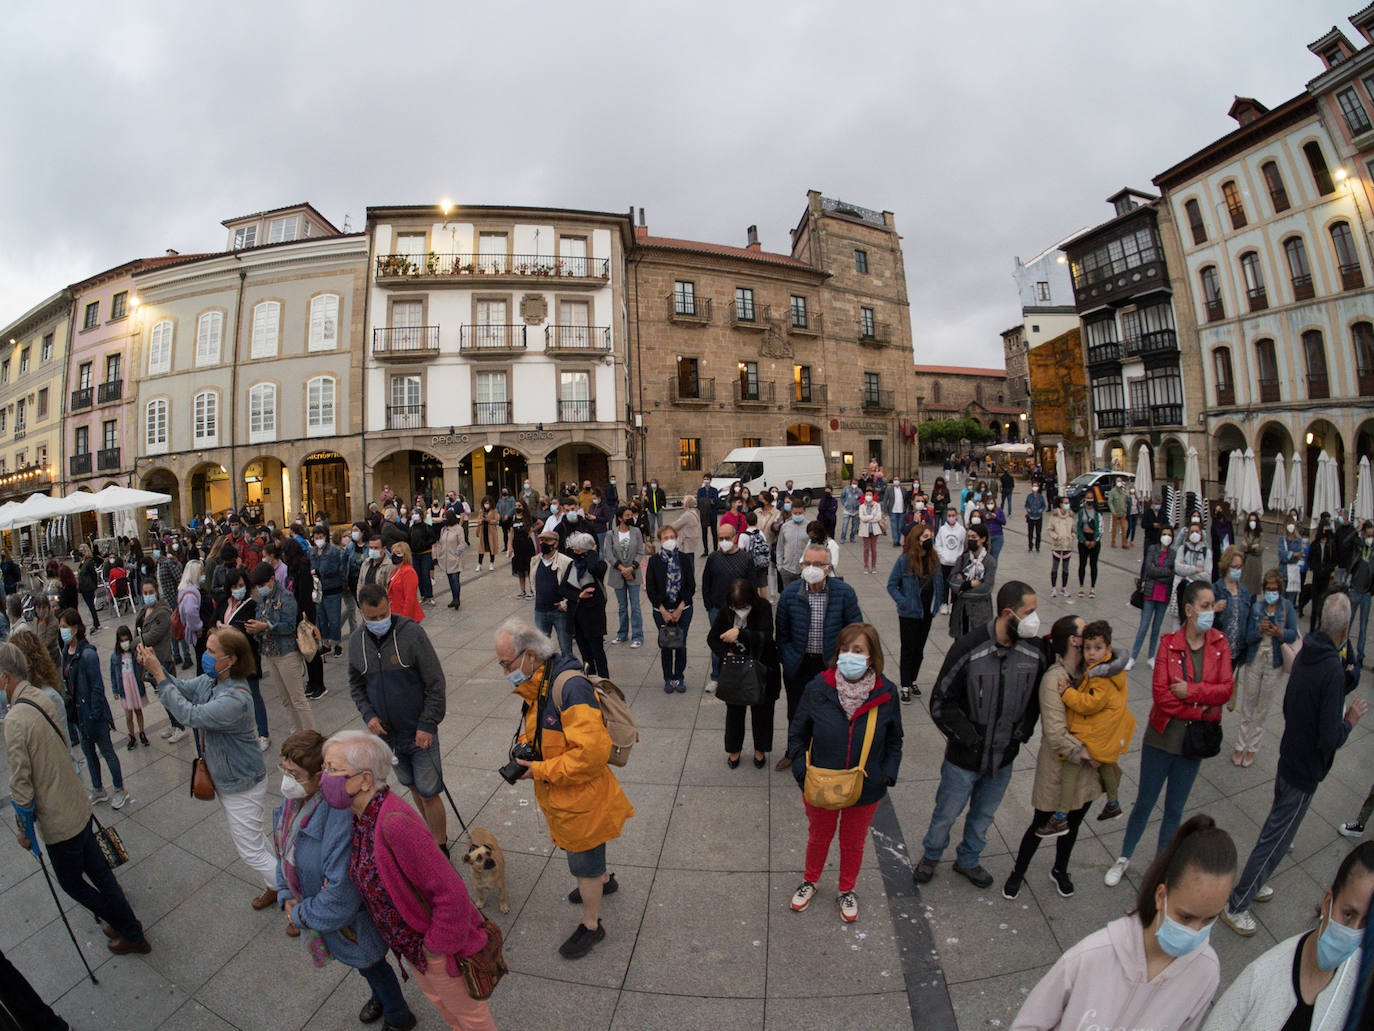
(1166, 415)
(749, 395)
(874, 334)
(1101, 354)
(1303, 289)
(20, 432)
(691, 391)
(107, 459)
(577, 340)
(804, 323)
(491, 413)
(1258, 298)
(1269, 389)
(808, 395)
(1111, 419)
(405, 417)
(491, 339)
(750, 316)
(1216, 311)
(1137, 416)
(1318, 386)
(80, 465)
(81, 398)
(110, 390)
(578, 409)
(406, 343)
(878, 401)
(488, 268)
(1364, 378)
(1159, 342)
(689, 310)
(1352, 278)
(1226, 395)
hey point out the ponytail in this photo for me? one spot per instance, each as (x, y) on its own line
(1198, 844)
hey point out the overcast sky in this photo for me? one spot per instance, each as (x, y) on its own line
(990, 129)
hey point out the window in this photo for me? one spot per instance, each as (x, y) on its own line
(21, 460)
(688, 378)
(689, 454)
(84, 375)
(798, 310)
(1266, 363)
(1363, 335)
(266, 326)
(4, 413)
(45, 355)
(751, 442)
(1109, 400)
(209, 334)
(861, 262)
(1353, 111)
(1316, 161)
(1231, 194)
(113, 370)
(684, 298)
(868, 329)
(205, 418)
(119, 305)
(492, 399)
(155, 426)
(412, 245)
(1194, 212)
(109, 434)
(23, 361)
(1226, 384)
(82, 443)
(873, 382)
(1314, 356)
(572, 252)
(801, 382)
(43, 403)
(262, 412)
(324, 322)
(19, 411)
(1254, 281)
(1165, 387)
(405, 395)
(92, 317)
(1333, 56)
(1211, 293)
(1121, 254)
(574, 397)
(744, 304)
(491, 329)
(1346, 257)
(319, 406)
(245, 236)
(281, 230)
(1101, 332)
(160, 348)
(1277, 194)
(1299, 270)
(748, 381)
(1042, 291)
(935, 392)
(1130, 331)
(5, 371)
(491, 252)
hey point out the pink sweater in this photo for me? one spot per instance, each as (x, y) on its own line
(449, 921)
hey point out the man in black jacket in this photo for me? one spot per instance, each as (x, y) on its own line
(393, 532)
(722, 568)
(986, 703)
(1314, 728)
(422, 538)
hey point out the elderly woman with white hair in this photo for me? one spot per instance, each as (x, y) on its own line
(188, 608)
(583, 589)
(415, 898)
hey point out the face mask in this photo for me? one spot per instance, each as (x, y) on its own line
(1254, 525)
(951, 520)
(799, 518)
(727, 545)
(1292, 527)
(1177, 940)
(1204, 620)
(319, 542)
(852, 665)
(669, 544)
(379, 627)
(1165, 539)
(813, 574)
(157, 553)
(547, 547)
(518, 675)
(1194, 537)
(571, 517)
(868, 499)
(265, 591)
(291, 787)
(1028, 626)
(612, 481)
(787, 506)
(741, 612)
(66, 633)
(1336, 943)
(125, 646)
(1065, 506)
(239, 593)
(334, 789)
(1234, 574)
(396, 557)
(374, 554)
(207, 664)
(150, 600)
(1271, 597)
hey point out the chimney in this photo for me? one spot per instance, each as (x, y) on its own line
(1246, 109)
(171, 253)
(753, 233)
(642, 223)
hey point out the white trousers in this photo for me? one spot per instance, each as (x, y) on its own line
(244, 810)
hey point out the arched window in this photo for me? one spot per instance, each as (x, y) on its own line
(160, 348)
(1194, 212)
(262, 412)
(1211, 294)
(1274, 181)
(209, 334)
(155, 427)
(205, 419)
(1316, 161)
(324, 323)
(266, 329)
(1254, 281)
(1352, 276)
(1267, 364)
(1299, 268)
(1226, 384)
(320, 395)
(1363, 335)
(935, 391)
(1314, 355)
(1231, 194)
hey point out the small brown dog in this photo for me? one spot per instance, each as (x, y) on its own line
(488, 867)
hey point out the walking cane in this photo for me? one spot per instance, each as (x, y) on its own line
(60, 912)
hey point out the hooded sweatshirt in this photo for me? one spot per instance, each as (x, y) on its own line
(1101, 983)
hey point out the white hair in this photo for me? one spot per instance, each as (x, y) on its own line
(525, 638)
(190, 575)
(364, 750)
(582, 541)
(1335, 617)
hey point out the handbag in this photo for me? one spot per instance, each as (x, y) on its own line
(741, 680)
(111, 844)
(839, 789)
(1289, 653)
(885, 525)
(671, 635)
(1138, 595)
(307, 639)
(316, 590)
(1201, 739)
(202, 784)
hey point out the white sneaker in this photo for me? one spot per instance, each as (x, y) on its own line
(849, 906)
(710, 687)
(99, 796)
(804, 894)
(167, 733)
(1353, 829)
(1130, 664)
(1243, 923)
(264, 743)
(1116, 871)
(1264, 894)
(1152, 662)
(176, 735)
(120, 797)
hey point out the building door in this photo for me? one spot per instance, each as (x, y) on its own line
(592, 465)
(875, 452)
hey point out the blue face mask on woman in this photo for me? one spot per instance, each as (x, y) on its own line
(852, 665)
(1337, 943)
(66, 633)
(1177, 940)
(1204, 620)
(207, 664)
(1271, 597)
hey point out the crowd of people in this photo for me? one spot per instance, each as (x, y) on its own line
(224, 604)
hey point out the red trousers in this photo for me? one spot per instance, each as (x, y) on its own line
(853, 823)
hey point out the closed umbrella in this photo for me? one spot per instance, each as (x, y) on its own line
(1061, 469)
(1251, 500)
(1192, 477)
(1234, 467)
(1296, 493)
(1144, 484)
(1278, 486)
(1321, 498)
(1364, 492)
(1333, 487)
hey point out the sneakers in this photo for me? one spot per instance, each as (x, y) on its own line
(609, 887)
(1062, 883)
(1080, 592)
(1243, 923)
(975, 875)
(849, 906)
(1116, 871)
(613, 640)
(1130, 664)
(166, 735)
(1353, 829)
(633, 644)
(99, 795)
(120, 797)
(1013, 886)
(1110, 811)
(315, 696)
(1152, 662)
(264, 744)
(1265, 894)
(1054, 827)
(802, 897)
(176, 735)
(710, 687)
(580, 942)
(923, 871)
(906, 693)
(680, 686)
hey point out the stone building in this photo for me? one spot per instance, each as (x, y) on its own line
(740, 346)
(1059, 401)
(1016, 356)
(956, 391)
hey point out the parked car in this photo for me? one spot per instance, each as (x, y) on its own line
(1098, 483)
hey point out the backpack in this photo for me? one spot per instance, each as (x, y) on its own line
(761, 552)
(615, 714)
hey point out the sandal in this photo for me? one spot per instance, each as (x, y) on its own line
(1237, 757)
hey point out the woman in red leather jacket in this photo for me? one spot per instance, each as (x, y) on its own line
(1192, 681)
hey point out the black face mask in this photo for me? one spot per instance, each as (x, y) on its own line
(927, 544)
(547, 547)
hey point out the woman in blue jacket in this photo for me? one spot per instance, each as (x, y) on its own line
(314, 844)
(911, 585)
(1273, 623)
(94, 720)
(829, 730)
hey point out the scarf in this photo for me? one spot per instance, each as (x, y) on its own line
(294, 816)
(853, 695)
(674, 586)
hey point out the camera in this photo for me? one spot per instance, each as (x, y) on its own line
(513, 771)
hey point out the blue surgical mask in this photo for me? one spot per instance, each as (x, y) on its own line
(852, 665)
(1234, 574)
(239, 593)
(1177, 940)
(1204, 620)
(799, 519)
(150, 600)
(374, 553)
(66, 633)
(1271, 597)
(207, 664)
(518, 675)
(1336, 943)
(379, 627)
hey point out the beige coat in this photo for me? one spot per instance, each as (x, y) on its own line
(384, 571)
(768, 524)
(1055, 740)
(449, 549)
(40, 767)
(488, 530)
(688, 526)
(1059, 528)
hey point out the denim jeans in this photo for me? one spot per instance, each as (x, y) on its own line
(455, 586)
(1359, 616)
(995, 543)
(556, 620)
(259, 710)
(81, 869)
(328, 611)
(348, 622)
(181, 651)
(1156, 768)
(941, 575)
(386, 989)
(424, 569)
(849, 528)
(896, 521)
(99, 737)
(1151, 617)
(982, 793)
(631, 621)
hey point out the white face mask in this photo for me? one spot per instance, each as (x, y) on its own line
(292, 788)
(742, 613)
(727, 545)
(1165, 539)
(1028, 626)
(1292, 527)
(813, 574)
(669, 544)
(1194, 537)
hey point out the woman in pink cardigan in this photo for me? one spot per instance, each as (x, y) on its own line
(417, 900)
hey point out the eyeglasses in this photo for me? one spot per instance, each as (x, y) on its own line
(335, 771)
(508, 666)
(816, 565)
(298, 780)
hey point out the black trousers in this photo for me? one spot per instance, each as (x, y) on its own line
(593, 649)
(1033, 533)
(1063, 845)
(761, 722)
(914, 633)
(22, 1008)
(709, 529)
(1087, 559)
(84, 875)
(810, 665)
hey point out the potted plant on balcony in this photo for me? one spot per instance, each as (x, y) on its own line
(432, 264)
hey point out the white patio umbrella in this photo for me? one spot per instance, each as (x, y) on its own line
(1296, 493)
(1144, 483)
(1333, 486)
(1364, 492)
(1251, 499)
(1061, 469)
(1192, 477)
(123, 499)
(1278, 486)
(1234, 467)
(32, 509)
(1321, 488)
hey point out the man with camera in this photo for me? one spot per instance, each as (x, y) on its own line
(563, 747)
(399, 688)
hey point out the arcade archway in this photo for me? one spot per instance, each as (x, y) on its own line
(576, 463)
(1321, 436)
(324, 486)
(487, 470)
(161, 481)
(409, 473)
(210, 490)
(266, 492)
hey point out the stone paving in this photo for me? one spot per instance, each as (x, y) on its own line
(700, 934)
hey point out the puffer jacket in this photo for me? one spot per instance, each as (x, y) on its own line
(1097, 712)
(836, 742)
(1062, 531)
(580, 796)
(986, 699)
(1208, 689)
(794, 620)
(397, 679)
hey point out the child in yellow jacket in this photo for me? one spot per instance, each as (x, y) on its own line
(1099, 718)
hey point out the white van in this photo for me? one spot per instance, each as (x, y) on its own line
(759, 467)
